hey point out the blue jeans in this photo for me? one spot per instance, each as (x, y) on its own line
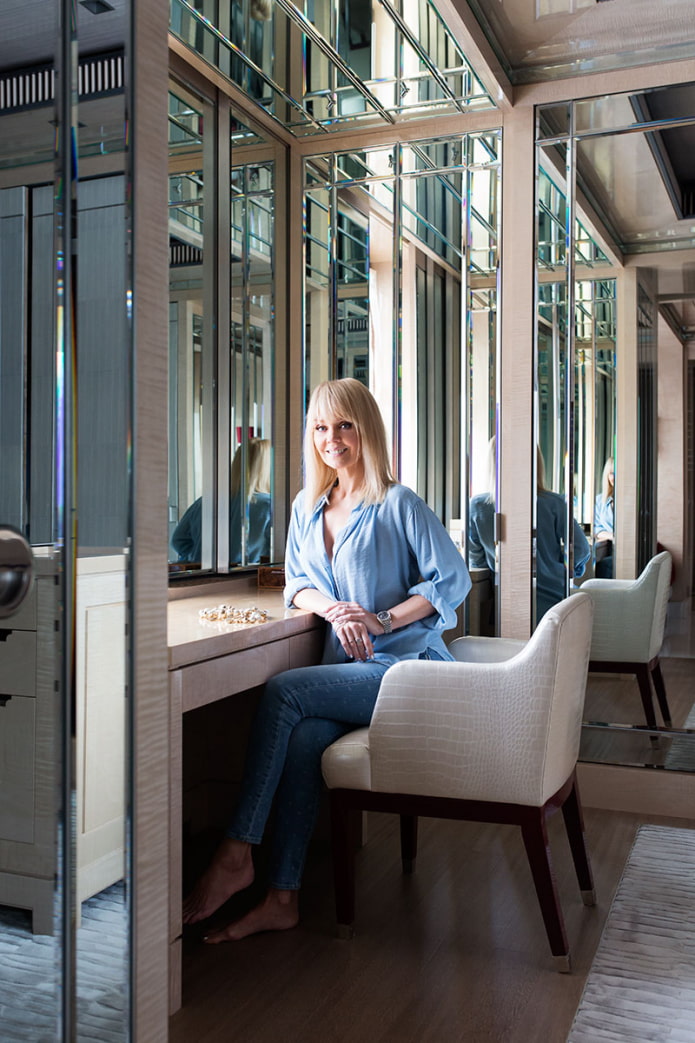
(300, 714)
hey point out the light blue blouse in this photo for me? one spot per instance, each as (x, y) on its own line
(481, 533)
(550, 545)
(604, 517)
(551, 527)
(385, 553)
(187, 536)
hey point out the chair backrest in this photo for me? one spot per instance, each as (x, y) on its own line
(501, 731)
(630, 615)
(658, 572)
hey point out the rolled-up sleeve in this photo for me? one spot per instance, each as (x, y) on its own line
(444, 581)
(296, 577)
(582, 550)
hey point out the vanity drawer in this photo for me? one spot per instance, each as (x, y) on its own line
(218, 678)
(17, 662)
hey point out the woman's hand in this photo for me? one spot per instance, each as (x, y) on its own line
(354, 627)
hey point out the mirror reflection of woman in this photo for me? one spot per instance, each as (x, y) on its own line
(551, 539)
(369, 556)
(481, 518)
(604, 522)
(255, 514)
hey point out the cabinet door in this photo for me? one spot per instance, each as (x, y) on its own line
(17, 663)
(17, 765)
(101, 723)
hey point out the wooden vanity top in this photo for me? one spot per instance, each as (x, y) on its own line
(192, 641)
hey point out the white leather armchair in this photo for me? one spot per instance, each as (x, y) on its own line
(628, 631)
(490, 740)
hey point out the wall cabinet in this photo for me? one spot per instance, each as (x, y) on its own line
(29, 733)
(31, 730)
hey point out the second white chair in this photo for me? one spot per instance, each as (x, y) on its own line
(629, 622)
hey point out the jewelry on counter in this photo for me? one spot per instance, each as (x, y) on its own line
(230, 614)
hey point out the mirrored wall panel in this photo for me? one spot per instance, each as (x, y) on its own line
(251, 356)
(65, 404)
(222, 338)
(560, 550)
(191, 302)
(613, 187)
(400, 291)
(317, 67)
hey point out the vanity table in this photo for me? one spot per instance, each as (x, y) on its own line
(210, 661)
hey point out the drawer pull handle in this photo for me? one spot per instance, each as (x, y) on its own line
(4, 700)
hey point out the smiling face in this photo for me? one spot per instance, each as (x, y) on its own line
(337, 443)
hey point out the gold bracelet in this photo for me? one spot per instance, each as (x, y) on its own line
(230, 614)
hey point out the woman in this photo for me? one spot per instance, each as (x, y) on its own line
(604, 521)
(370, 557)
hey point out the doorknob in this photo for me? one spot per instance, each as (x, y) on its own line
(16, 570)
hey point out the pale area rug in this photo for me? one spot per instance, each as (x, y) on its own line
(641, 985)
(30, 970)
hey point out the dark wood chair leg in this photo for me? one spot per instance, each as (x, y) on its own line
(535, 836)
(343, 826)
(660, 690)
(408, 842)
(645, 690)
(574, 824)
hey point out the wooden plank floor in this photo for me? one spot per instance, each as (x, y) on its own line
(615, 698)
(456, 952)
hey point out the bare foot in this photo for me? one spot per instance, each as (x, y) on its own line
(279, 911)
(231, 870)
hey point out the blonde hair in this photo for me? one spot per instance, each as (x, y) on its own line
(257, 468)
(608, 486)
(540, 471)
(491, 470)
(347, 399)
(261, 10)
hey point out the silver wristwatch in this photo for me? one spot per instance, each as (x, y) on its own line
(386, 621)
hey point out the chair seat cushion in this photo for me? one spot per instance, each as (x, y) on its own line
(485, 649)
(345, 764)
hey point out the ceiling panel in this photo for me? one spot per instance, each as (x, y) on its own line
(28, 30)
(538, 40)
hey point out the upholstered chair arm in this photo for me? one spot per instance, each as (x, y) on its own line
(487, 731)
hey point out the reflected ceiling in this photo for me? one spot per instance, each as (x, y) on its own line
(27, 44)
(19, 47)
(635, 163)
(348, 63)
(640, 184)
(537, 40)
